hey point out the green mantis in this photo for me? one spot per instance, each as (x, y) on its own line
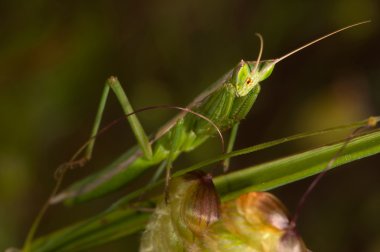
(225, 104)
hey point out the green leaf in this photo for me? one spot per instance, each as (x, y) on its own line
(94, 231)
(286, 170)
(118, 222)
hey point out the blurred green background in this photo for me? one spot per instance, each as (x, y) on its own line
(56, 55)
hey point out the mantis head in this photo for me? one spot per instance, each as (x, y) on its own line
(247, 75)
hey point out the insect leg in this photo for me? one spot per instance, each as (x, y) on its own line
(230, 146)
(173, 152)
(137, 129)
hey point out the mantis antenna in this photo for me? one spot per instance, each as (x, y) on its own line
(260, 52)
(317, 40)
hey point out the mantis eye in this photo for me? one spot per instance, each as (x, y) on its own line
(248, 81)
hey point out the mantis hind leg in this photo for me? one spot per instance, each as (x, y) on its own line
(142, 139)
(137, 129)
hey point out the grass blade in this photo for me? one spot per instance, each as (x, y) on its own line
(120, 222)
(286, 170)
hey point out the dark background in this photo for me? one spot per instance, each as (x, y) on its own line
(56, 55)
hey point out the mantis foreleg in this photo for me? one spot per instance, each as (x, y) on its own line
(230, 146)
